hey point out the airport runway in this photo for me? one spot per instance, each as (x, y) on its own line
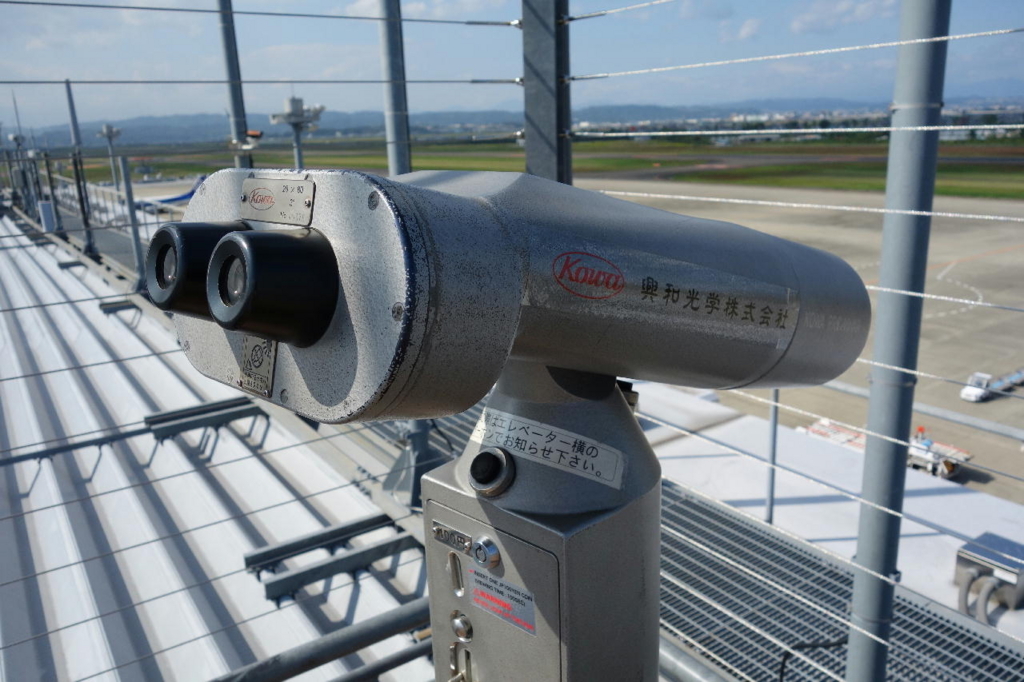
(970, 259)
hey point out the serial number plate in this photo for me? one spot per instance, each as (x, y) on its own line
(256, 369)
(278, 201)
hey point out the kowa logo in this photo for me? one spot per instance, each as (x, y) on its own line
(587, 276)
(261, 198)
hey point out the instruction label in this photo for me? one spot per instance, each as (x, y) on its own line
(503, 599)
(556, 448)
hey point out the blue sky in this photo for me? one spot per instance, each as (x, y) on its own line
(45, 43)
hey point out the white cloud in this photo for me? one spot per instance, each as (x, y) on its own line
(747, 30)
(715, 10)
(826, 15)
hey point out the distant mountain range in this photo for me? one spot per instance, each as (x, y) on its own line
(197, 128)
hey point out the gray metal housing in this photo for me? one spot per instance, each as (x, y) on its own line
(445, 275)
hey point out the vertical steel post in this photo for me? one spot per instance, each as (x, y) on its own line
(297, 145)
(53, 192)
(113, 164)
(76, 134)
(10, 169)
(396, 103)
(238, 124)
(133, 220)
(81, 190)
(546, 81)
(910, 185)
(773, 440)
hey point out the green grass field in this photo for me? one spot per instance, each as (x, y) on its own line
(831, 164)
(994, 180)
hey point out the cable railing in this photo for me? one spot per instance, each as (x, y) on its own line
(255, 13)
(813, 206)
(110, 208)
(838, 130)
(806, 53)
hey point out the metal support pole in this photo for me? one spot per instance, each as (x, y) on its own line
(371, 671)
(80, 190)
(10, 169)
(133, 220)
(910, 185)
(53, 192)
(333, 646)
(297, 145)
(396, 104)
(113, 164)
(546, 81)
(238, 124)
(773, 439)
(76, 134)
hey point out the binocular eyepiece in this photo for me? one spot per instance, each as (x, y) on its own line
(280, 285)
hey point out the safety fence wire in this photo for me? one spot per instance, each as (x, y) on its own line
(813, 206)
(210, 524)
(858, 429)
(73, 301)
(618, 10)
(271, 81)
(239, 623)
(66, 439)
(254, 13)
(799, 131)
(948, 299)
(845, 493)
(926, 375)
(807, 53)
(141, 602)
(931, 652)
(215, 465)
(746, 623)
(90, 365)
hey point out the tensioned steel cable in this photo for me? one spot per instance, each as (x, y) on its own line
(856, 498)
(677, 508)
(89, 365)
(936, 297)
(926, 375)
(116, 427)
(768, 636)
(273, 81)
(762, 648)
(823, 207)
(210, 524)
(57, 233)
(252, 13)
(769, 581)
(799, 131)
(873, 434)
(808, 53)
(141, 602)
(238, 623)
(628, 8)
(54, 303)
(150, 481)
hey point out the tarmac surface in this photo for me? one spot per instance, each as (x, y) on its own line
(977, 260)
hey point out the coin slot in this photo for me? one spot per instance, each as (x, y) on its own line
(455, 573)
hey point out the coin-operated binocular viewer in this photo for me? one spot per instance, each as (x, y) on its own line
(348, 297)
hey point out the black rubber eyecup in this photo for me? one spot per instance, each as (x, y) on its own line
(228, 302)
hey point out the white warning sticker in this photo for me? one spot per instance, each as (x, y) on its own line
(506, 601)
(563, 450)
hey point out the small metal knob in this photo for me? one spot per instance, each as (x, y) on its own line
(485, 552)
(462, 627)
